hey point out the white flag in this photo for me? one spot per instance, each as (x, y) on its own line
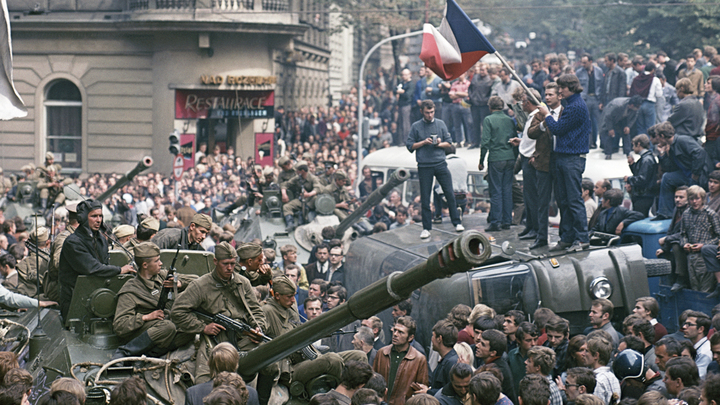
(11, 105)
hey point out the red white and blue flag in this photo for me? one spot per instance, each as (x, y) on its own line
(454, 47)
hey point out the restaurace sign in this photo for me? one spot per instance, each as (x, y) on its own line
(224, 103)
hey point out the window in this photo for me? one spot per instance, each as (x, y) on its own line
(63, 112)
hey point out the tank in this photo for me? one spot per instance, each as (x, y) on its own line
(309, 235)
(142, 165)
(86, 346)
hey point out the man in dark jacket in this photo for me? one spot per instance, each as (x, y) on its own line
(189, 238)
(85, 252)
(454, 392)
(490, 349)
(615, 80)
(684, 163)
(615, 218)
(618, 120)
(688, 116)
(642, 183)
(479, 91)
(670, 243)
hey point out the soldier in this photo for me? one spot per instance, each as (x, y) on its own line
(5, 184)
(339, 192)
(146, 230)
(123, 233)
(51, 184)
(304, 185)
(50, 281)
(137, 317)
(287, 172)
(189, 238)
(328, 177)
(222, 291)
(85, 252)
(282, 317)
(27, 270)
(251, 264)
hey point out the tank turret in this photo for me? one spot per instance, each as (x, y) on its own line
(461, 254)
(396, 179)
(142, 165)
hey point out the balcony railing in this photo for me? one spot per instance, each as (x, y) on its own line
(221, 5)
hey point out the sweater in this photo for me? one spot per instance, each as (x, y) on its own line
(428, 155)
(572, 130)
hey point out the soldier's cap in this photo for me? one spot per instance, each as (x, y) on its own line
(257, 168)
(50, 169)
(122, 231)
(49, 156)
(284, 286)
(249, 251)
(224, 250)
(340, 174)
(25, 168)
(85, 207)
(301, 165)
(268, 171)
(328, 163)
(147, 249)
(40, 235)
(283, 161)
(202, 220)
(151, 223)
(307, 155)
(72, 205)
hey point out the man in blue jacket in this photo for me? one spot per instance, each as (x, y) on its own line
(567, 164)
(430, 137)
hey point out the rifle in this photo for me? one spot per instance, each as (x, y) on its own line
(165, 293)
(38, 251)
(234, 327)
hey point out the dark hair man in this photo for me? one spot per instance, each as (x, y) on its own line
(572, 131)
(579, 380)
(355, 375)
(601, 312)
(490, 349)
(534, 390)
(696, 329)
(641, 184)
(526, 336)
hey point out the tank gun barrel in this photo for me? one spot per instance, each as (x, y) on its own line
(397, 178)
(467, 251)
(142, 165)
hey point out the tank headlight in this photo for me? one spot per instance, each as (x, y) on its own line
(601, 288)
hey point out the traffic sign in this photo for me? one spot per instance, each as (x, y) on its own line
(178, 167)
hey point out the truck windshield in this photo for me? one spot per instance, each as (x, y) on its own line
(505, 287)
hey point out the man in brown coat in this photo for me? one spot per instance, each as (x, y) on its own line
(400, 364)
(540, 161)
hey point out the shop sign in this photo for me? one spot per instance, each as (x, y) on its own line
(192, 104)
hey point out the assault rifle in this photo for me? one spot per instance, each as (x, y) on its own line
(165, 292)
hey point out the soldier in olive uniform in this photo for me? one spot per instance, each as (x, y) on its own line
(339, 192)
(137, 317)
(328, 177)
(222, 291)
(282, 317)
(27, 270)
(146, 230)
(304, 185)
(5, 184)
(51, 184)
(122, 233)
(251, 264)
(189, 238)
(50, 281)
(286, 170)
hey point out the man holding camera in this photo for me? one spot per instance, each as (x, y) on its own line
(430, 137)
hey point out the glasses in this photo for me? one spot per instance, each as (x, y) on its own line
(689, 324)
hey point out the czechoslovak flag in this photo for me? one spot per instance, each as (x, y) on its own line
(455, 46)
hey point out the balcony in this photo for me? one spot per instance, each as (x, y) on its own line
(216, 5)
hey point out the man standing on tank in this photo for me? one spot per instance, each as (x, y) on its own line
(85, 252)
(430, 137)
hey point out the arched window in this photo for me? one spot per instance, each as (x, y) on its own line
(63, 112)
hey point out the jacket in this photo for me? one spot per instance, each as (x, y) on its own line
(584, 78)
(572, 129)
(608, 222)
(543, 144)
(447, 396)
(688, 117)
(412, 368)
(441, 375)
(615, 85)
(169, 238)
(644, 176)
(479, 90)
(617, 115)
(498, 128)
(50, 280)
(85, 252)
(687, 156)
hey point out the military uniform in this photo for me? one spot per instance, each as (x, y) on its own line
(234, 298)
(297, 185)
(5, 185)
(140, 297)
(169, 238)
(27, 272)
(285, 176)
(281, 320)
(340, 194)
(50, 281)
(250, 251)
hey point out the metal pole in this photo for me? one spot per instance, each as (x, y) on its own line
(512, 72)
(361, 101)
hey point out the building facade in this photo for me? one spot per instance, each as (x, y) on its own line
(106, 82)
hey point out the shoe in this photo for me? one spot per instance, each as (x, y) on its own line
(593, 146)
(136, 347)
(561, 246)
(608, 157)
(715, 294)
(459, 228)
(679, 286)
(492, 228)
(578, 246)
(474, 147)
(530, 236)
(458, 145)
(538, 244)
(506, 226)
(437, 220)
(290, 223)
(524, 232)
(659, 217)
(424, 234)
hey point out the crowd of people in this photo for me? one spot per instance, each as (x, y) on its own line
(666, 113)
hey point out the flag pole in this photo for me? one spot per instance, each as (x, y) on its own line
(512, 72)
